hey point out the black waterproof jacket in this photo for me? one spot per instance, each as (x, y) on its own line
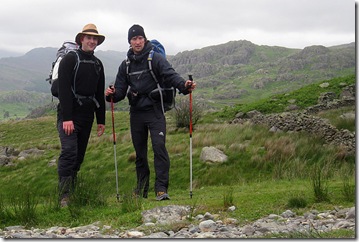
(141, 82)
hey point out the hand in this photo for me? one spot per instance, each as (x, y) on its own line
(110, 91)
(100, 129)
(190, 85)
(68, 127)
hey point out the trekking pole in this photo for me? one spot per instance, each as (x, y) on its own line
(190, 138)
(114, 144)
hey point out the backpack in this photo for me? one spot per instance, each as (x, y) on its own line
(66, 48)
(158, 47)
(165, 94)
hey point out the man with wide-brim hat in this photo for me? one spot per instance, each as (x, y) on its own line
(81, 84)
(89, 29)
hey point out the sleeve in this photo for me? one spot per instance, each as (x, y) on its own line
(166, 72)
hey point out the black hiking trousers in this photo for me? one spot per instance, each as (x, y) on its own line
(73, 148)
(142, 123)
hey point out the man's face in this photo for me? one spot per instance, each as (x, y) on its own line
(89, 42)
(137, 44)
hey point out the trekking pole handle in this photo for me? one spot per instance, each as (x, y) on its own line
(111, 86)
(191, 79)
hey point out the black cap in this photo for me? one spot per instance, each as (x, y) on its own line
(135, 30)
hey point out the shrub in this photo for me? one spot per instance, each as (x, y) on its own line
(182, 112)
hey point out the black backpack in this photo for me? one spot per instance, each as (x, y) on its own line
(165, 94)
(66, 48)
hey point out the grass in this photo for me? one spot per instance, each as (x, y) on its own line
(338, 119)
(252, 201)
(265, 173)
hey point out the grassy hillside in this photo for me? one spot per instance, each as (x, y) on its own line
(303, 97)
(264, 172)
(18, 104)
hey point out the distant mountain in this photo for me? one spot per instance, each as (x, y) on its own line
(241, 71)
(234, 72)
(5, 53)
(28, 72)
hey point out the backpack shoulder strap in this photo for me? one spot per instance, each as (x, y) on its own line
(149, 59)
(76, 68)
(128, 62)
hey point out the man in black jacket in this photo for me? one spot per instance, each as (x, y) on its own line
(146, 114)
(81, 95)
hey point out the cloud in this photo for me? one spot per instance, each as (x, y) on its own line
(180, 25)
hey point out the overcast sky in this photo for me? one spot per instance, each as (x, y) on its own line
(179, 24)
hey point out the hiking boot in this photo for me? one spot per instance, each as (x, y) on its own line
(162, 196)
(64, 202)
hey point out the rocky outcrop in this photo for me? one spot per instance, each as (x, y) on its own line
(327, 101)
(8, 155)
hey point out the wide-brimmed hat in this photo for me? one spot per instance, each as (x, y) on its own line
(89, 29)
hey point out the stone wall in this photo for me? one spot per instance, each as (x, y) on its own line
(305, 121)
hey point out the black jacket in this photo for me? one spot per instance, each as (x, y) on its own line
(90, 81)
(142, 82)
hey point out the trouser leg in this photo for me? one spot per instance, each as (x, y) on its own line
(67, 160)
(73, 148)
(161, 158)
(82, 142)
(65, 186)
(139, 134)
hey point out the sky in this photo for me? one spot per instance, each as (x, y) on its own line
(179, 25)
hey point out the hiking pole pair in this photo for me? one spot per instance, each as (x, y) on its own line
(190, 138)
(114, 143)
